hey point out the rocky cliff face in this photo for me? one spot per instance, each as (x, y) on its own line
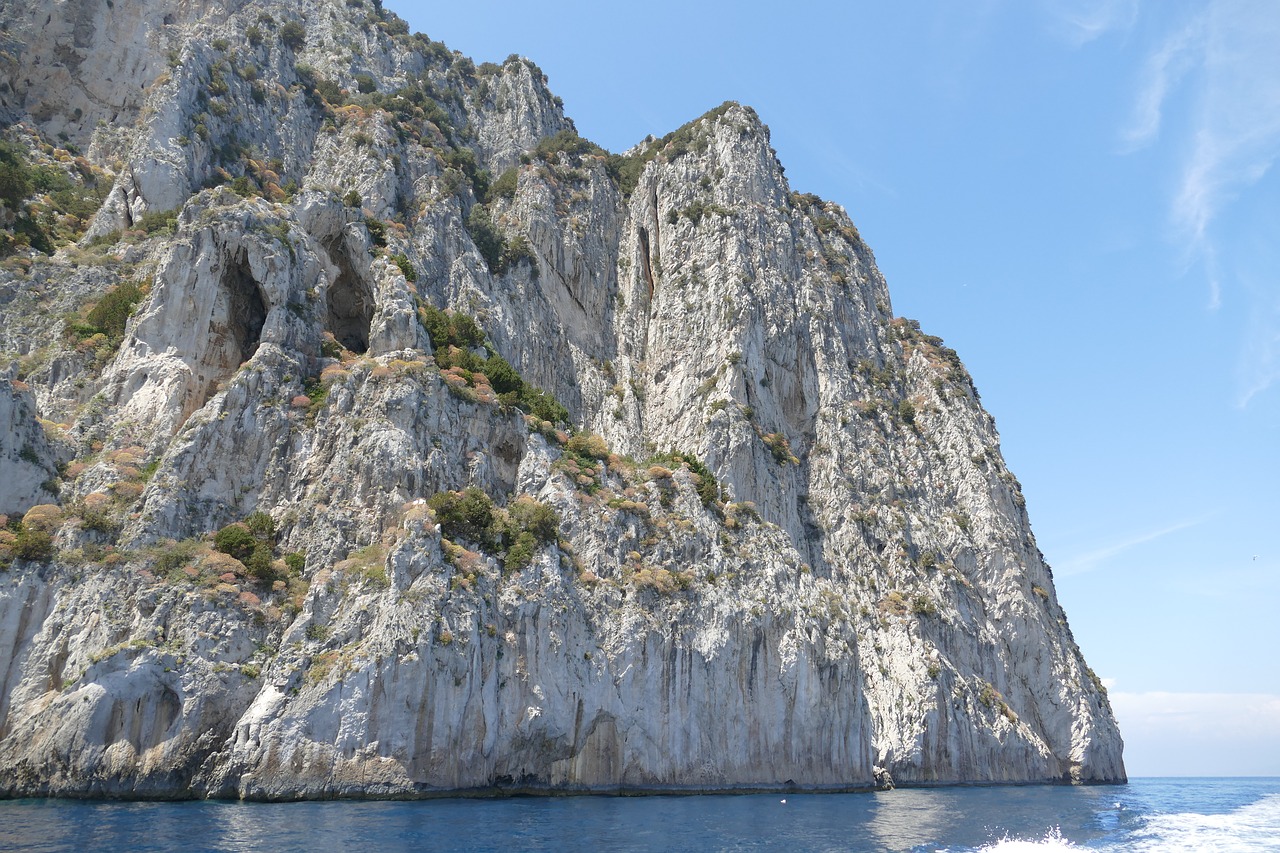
(530, 466)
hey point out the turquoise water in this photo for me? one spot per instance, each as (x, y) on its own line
(1146, 815)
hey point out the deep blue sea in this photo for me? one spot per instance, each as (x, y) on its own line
(1145, 815)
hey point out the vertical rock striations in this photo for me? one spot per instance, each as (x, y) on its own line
(531, 467)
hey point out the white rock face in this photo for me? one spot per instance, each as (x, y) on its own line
(834, 583)
(30, 462)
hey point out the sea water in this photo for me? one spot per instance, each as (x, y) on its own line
(1145, 815)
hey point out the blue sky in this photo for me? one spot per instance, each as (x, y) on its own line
(1081, 197)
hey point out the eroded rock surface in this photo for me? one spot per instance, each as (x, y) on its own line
(360, 272)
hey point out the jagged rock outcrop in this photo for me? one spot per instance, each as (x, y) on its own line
(532, 467)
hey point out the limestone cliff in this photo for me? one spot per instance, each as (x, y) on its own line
(369, 433)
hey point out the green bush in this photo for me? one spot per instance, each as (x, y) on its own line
(173, 555)
(499, 253)
(450, 330)
(535, 519)
(515, 533)
(486, 236)
(708, 486)
(402, 261)
(320, 90)
(17, 182)
(698, 208)
(15, 176)
(259, 562)
(502, 376)
(27, 232)
(465, 515)
(32, 544)
(780, 448)
(109, 316)
(252, 542)
(293, 35)
(464, 160)
(588, 446)
(235, 540)
(365, 84)
(542, 405)
(504, 186)
(262, 526)
(518, 249)
(520, 553)
(158, 221)
(567, 142)
(626, 170)
(97, 521)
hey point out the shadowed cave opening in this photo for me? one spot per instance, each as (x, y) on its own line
(246, 310)
(350, 304)
(235, 330)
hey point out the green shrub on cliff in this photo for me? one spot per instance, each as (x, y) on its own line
(514, 533)
(252, 542)
(293, 35)
(465, 515)
(235, 540)
(109, 315)
(455, 336)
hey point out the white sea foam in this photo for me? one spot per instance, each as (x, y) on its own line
(1249, 829)
(1253, 828)
(1052, 840)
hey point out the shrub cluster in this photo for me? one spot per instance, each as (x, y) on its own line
(30, 537)
(63, 205)
(292, 35)
(514, 533)
(500, 253)
(584, 460)
(406, 267)
(625, 170)
(504, 186)
(27, 543)
(252, 542)
(698, 209)
(780, 448)
(456, 336)
(109, 315)
(568, 142)
(708, 486)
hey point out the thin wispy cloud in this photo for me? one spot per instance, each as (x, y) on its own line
(1260, 357)
(1212, 89)
(1096, 558)
(1162, 72)
(1237, 125)
(1079, 22)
